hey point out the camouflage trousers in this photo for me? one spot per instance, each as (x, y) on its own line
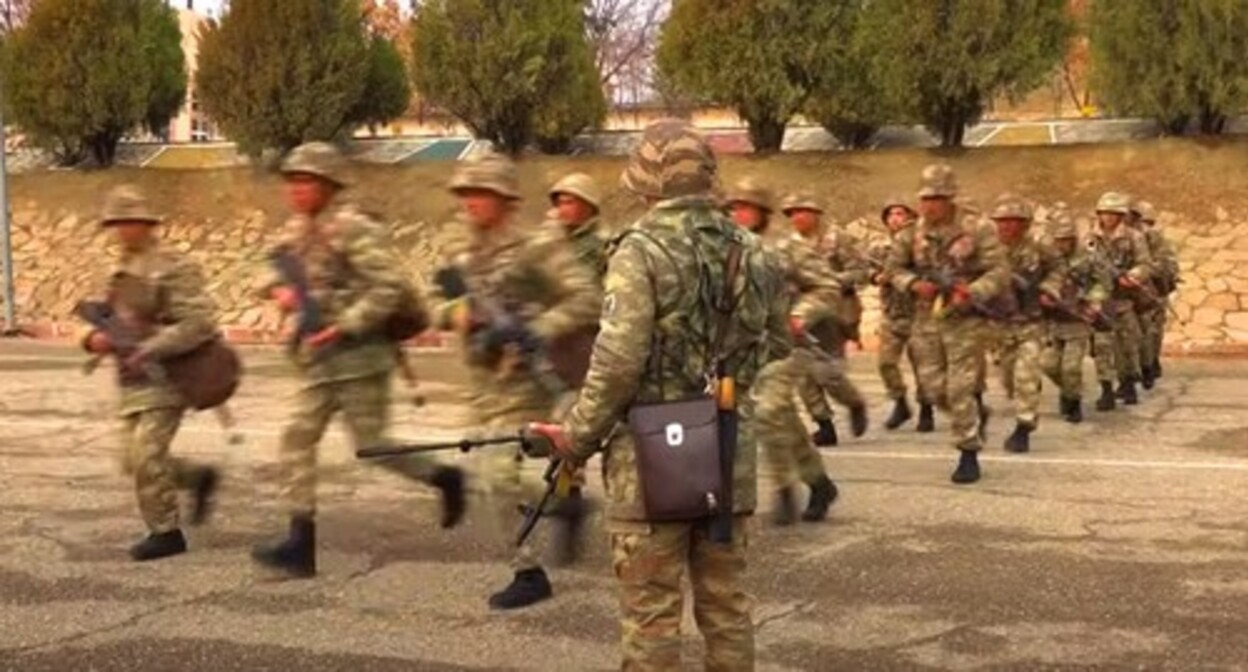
(778, 426)
(365, 407)
(894, 339)
(1104, 353)
(1128, 339)
(146, 437)
(1152, 332)
(507, 487)
(1019, 351)
(826, 377)
(1062, 360)
(649, 564)
(951, 367)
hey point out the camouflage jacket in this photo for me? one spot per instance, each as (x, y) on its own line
(850, 269)
(1123, 252)
(1165, 261)
(357, 282)
(160, 293)
(534, 277)
(1035, 269)
(1083, 282)
(590, 247)
(956, 251)
(654, 343)
(896, 308)
(811, 283)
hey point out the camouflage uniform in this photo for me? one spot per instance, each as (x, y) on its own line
(533, 276)
(1125, 252)
(162, 290)
(588, 243)
(950, 348)
(1083, 286)
(1035, 271)
(653, 346)
(1164, 281)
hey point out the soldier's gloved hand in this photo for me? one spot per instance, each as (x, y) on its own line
(925, 288)
(1048, 301)
(286, 297)
(960, 295)
(98, 343)
(552, 436)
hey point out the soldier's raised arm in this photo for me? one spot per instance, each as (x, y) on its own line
(817, 287)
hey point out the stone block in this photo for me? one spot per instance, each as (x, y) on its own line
(1225, 301)
(1208, 317)
(1237, 320)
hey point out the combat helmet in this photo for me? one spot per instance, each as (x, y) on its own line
(801, 200)
(938, 181)
(749, 191)
(126, 203)
(581, 186)
(491, 172)
(1112, 201)
(316, 158)
(672, 160)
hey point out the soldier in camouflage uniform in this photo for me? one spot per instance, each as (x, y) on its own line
(354, 278)
(532, 280)
(1084, 289)
(851, 271)
(952, 268)
(896, 317)
(1164, 282)
(1035, 273)
(816, 294)
(1124, 253)
(656, 333)
(577, 202)
(159, 290)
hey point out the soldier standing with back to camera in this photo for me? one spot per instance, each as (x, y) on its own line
(160, 294)
(346, 364)
(953, 267)
(1124, 253)
(681, 320)
(525, 290)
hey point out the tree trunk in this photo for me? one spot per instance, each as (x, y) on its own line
(1212, 122)
(104, 148)
(851, 134)
(1175, 125)
(766, 134)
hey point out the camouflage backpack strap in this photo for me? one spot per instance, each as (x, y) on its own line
(725, 306)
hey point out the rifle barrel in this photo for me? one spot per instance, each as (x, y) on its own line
(462, 445)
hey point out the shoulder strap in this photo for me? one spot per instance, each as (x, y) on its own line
(726, 305)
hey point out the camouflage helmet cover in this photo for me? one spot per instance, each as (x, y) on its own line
(672, 160)
(894, 201)
(581, 186)
(1009, 206)
(1112, 201)
(126, 203)
(316, 158)
(1145, 210)
(1063, 226)
(802, 200)
(488, 172)
(938, 181)
(748, 190)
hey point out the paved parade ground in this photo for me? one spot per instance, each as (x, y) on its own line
(1121, 543)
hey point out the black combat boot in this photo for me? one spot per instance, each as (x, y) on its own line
(1063, 406)
(202, 490)
(968, 468)
(901, 414)
(985, 414)
(529, 586)
(858, 420)
(568, 517)
(1075, 415)
(159, 545)
(785, 513)
(822, 493)
(927, 418)
(1147, 377)
(1107, 401)
(450, 481)
(1157, 368)
(825, 433)
(296, 555)
(1126, 390)
(1020, 440)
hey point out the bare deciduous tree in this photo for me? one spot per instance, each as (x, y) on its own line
(623, 34)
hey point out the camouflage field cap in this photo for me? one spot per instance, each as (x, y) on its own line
(938, 181)
(672, 160)
(1063, 226)
(802, 200)
(1145, 210)
(1112, 201)
(489, 172)
(895, 201)
(581, 186)
(316, 158)
(1010, 206)
(127, 204)
(749, 191)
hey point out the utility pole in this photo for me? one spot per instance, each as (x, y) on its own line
(6, 242)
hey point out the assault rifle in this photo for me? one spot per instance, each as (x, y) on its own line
(1081, 311)
(311, 318)
(942, 308)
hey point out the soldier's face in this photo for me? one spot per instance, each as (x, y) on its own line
(804, 221)
(1065, 246)
(747, 215)
(1109, 220)
(1011, 230)
(307, 194)
(935, 208)
(132, 236)
(485, 210)
(897, 218)
(573, 211)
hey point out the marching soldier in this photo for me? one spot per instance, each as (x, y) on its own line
(816, 294)
(1125, 255)
(160, 294)
(952, 268)
(346, 364)
(1073, 313)
(1164, 282)
(851, 271)
(1035, 275)
(576, 202)
(522, 286)
(897, 316)
(660, 342)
